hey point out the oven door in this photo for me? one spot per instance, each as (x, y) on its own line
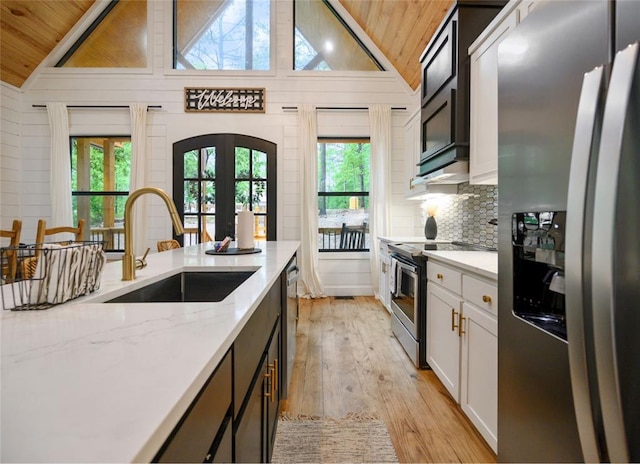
(404, 301)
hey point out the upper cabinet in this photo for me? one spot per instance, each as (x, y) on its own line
(444, 119)
(483, 163)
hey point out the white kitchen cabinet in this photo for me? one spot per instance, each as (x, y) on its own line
(443, 341)
(483, 150)
(412, 154)
(462, 341)
(384, 275)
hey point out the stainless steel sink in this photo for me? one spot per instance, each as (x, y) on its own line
(187, 287)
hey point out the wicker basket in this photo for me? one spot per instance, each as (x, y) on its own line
(51, 274)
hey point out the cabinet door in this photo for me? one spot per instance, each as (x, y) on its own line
(483, 158)
(249, 436)
(192, 439)
(439, 64)
(443, 341)
(272, 394)
(412, 153)
(479, 371)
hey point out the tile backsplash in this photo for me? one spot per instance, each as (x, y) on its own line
(464, 217)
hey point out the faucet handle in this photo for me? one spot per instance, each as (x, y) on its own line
(141, 263)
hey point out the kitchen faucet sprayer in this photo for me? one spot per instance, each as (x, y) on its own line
(129, 259)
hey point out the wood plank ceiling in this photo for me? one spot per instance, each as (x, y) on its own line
(30, 29)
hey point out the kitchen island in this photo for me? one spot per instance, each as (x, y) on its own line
(87, 381)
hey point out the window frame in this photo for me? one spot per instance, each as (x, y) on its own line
(97, 193)
(171, 51)
(354, 140)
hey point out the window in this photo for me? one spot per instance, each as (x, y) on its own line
(100, 172)
(222, 34)
(324, 42)
(116, 39)
(343, 194)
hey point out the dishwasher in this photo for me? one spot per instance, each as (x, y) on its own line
(289, 322)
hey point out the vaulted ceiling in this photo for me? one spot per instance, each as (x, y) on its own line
(30, 29)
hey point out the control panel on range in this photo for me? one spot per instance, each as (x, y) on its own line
(538, 269)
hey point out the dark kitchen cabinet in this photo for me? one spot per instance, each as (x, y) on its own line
(257, 355)
(256, 427)
(445, 84)
(202, 428)
(234, 417)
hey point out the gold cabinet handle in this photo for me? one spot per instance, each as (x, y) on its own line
(486, 298)
(275, 375)
(268, 377)
(460, 325)
(454, 313)
(440, 276)
(411, 184)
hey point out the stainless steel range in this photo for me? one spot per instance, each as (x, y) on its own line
(408, 287)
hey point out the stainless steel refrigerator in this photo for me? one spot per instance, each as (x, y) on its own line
(569, 234)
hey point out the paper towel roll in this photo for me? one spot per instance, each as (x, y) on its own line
(244, 235)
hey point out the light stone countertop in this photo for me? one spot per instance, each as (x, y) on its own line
(409, 239)
(92, 382)
(484, 263)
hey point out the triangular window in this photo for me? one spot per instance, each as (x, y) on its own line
(324, 42)
(222, 34)
(116, 39)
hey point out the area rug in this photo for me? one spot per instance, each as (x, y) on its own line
(356, 438)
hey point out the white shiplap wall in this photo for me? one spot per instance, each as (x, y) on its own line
(9, 155)
(161, 85)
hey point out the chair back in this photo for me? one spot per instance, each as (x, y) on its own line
(164, 245)
(352, 237)
(204, 236)
(10, 256)
(43, 232)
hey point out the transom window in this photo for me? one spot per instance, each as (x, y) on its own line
(100, 173)
(222, 34)
(343, 194)
(324, 42)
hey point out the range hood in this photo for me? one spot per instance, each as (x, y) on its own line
(454, 173)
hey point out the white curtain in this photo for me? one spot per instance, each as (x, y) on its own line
(379, 184)
(308, 141)
(60, 167)
(138, 113)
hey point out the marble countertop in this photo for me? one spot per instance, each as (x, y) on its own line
(93, 382)
(484, 263)
(409, 239)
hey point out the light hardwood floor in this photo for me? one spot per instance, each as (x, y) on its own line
(347, 360)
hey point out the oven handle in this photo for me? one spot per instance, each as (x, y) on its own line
(402, 262)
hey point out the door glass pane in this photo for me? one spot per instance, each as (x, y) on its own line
(209, 226)
(259, 196)
(190, 229)
(191, 164)
(261, 227)
(242, 163)
(259, 164)
(209, 163)
(242, 195)
(191, 196)
(209, 196)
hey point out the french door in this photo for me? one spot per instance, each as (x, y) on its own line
(217, 175)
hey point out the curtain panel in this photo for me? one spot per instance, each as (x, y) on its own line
(138, 112)
(380, 184)
(308, 141)
(60, 167)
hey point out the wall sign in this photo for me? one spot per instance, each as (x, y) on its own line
(229, 100)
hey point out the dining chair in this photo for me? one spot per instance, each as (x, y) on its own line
(352, 237)
(164, 245)
(42, 231)
(10, 254)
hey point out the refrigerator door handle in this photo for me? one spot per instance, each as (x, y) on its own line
(623, 76)
(589, 112)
